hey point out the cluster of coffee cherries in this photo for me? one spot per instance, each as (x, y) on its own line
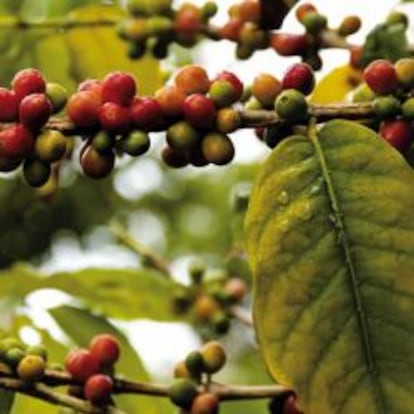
(389, 87)
(190, 389)
(208, 299)
(93, 369)
(27, 107)
(155, 25)
(27, 363)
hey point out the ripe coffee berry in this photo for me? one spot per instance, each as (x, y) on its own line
(265, 89)
(96, 164)
(231, 30)
(188, 19)
(291, 105)
(98, 389)
(34, 111)
(299, 76)
(381, 77)
(217, 148)
(206, 403)
(119, 87)
(235, 81)
(105, 348)
(171, 99)
(192, 79)
(289, 44)
(83, 109)
(8, 105)
(199, 110)
(92, 85)
(28, 81)
(16, 142)
(399, 134)
(349, 26)
(36, 172)
(144, 112)
(81, 364)
(31, 368)
(114, 118)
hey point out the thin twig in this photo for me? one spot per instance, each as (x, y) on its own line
(242, 315)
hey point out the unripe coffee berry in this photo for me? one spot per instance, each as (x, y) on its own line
(199, 110)
(103, 141)
(197, 269)
(206, 403)
(386, 106)
(303, 10)
(291, 105)
(405, 72)
(13, 356)
(205, 307)
(398, 133)
(221, 323)
(214, 356)
(195, 364)
(192, 79)
(81, 364)
(182, 136)
(31, 368)
(105, 348)
(228, 120)
(234, 80)
(28, 81)
(222, 93)
(299, 76)
(8, 105)
(37, 350)
(171, 99)
(217, 148)
(136, 143)
(36, 172)
(98, 389)
(96, 164)
(182, 392)
(34, 111)
(16, 142)
(314, 22)
(57, 95)
(83, 109)
(174, 158)
(265, 89)
(114, 118)
(144, 112)
(349, 25)
(363, 93)
(50, 146)
(119, 88)
(381, 77)
(408, 109)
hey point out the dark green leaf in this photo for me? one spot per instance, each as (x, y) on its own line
(6, 401)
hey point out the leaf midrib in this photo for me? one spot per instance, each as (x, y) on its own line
(339, 229)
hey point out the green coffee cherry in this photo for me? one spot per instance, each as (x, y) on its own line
(182, 136)
(208, 10)
(136, 143)
(222, 93)
(195, 364)
(37, 350)
(217, 148)
(57, 95)
(149, 7)
(136, 50)
(8, 343)
(363, 93)
(50, 146)
(31, 368)
(408, 109)
(243, 51)
(386, 106)
(291, 105)
(13, 356)
(221, 323)
(214, 356)
(103, 142)
(314, 22)
(253, 104)
(196, 270)
(159, 26)
(182, 392)
(36, 172)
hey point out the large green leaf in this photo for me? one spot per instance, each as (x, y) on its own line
(6, 401)
(331, 244)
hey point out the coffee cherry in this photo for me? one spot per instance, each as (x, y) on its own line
(8, 105)
(9, 343)
(381, 77)
(205, 307)
(182, 136)
(31, 368)
(103, 142)
(105, 348)
(249, 11)
(192, 79)
(253, 104)
(136, 143)
(174, 158)
(222, 93)
(214, 357)
(196, 157)
(355, 56)
(217, 148)
(149, 8)
(291, 105)
(199, 110)
(13, 356)
(363, 93)
(36, 172)
(34, 111)
(50, 146)
(119, 88)
(57, 95)
(265, 89)
(234, 80)
(303, 10)
(349, 25)
(252, 38)
(195, 364)
(81, 364)
(206, 403)
(196, 270)
(231, 30)
(16, 142)
(96, 164)
(28, 81)
(405, 72)
(182, 392)
(9, 164)
(274, 134)
(37, 350)
(398, 133)
(386, 106)
(144, 112)
(221, 323)
(236, 288)
(408, 109)
(208, 10)
(188, 19)
(171, 99)
(98, 389)
(181, 371)
(299, 76)
(314, 22)
(83, 109)
(228, 120)
(92, 85)
(114, 118)
(136, 50)
(289, 44)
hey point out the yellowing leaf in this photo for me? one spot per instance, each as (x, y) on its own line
(335, 85)
(331, 244)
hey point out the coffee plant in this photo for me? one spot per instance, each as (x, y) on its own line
(125, 204)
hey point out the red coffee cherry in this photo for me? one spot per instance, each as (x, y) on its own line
(119, 87)
(188, 19)
(249, 11)
(192, 79)
(81, 364)
(299, 76)
(199, 110)
(232, 29)
(83, 109)
(8, 105)
(144, 112)
(171, 100)
(235, 81)
(398, 133)
(96, 164)
(266, 88)
(381, 77)
(16, 142)
(105, 348)
(34, 111)
(289, 44)
(28, 81)
(98, 389)
(92, 85)
(114, 118)
(206, 403)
